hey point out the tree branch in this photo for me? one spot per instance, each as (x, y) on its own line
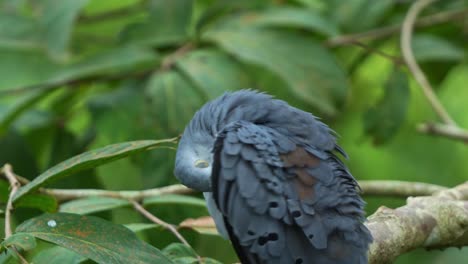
(380, 33)
(406, 35)
(451, 132)
(398, 188)
(162, 223)
(7, 170)
(437, 221)
(64, 194)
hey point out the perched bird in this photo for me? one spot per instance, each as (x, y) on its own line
(272, 181)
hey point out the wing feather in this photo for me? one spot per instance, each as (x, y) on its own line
(285, 201)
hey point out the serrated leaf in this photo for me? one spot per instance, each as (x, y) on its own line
(174, 199)
(137, 227)
(203, 225)
(43, 202)
(310, 70)
(213, 72)
(382, 121)
(433, 48)
(90, 159)
(92, 205)
(93, 238)
(23, 241)
(292, 17)
(57, 255)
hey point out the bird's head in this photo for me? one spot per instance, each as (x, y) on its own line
(194, 156)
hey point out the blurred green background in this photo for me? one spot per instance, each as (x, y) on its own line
(81, 74)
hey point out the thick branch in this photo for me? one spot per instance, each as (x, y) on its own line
(437, 221)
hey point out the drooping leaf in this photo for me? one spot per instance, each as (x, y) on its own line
(57, 255)
(382, 121)
(92, 205)
(22, 241)
(88, 160)
(174, 199)
(93, 238)
(213, 72)
(310, 70)
(433, 48)
(203, 225)
(288, 17)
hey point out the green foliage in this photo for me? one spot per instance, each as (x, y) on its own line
(92, 237)
(79, 77)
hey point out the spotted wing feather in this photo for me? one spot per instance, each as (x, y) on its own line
(284, 201)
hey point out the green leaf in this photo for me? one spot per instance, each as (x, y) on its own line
(358, 15)
(173, 102)
(290, 17)
(9, 116)
(382, 121)
(181, 254)
(90, 159)
(43, 202)
(111, 61)
(57, 255)
(137, 227)
(174, 199)
(57, 21)
(433, 48)
(167, 24)
(92, 237)
(214, 72)
(309, 69)
(23, 241)
(23, 35)
(178, 250)
(92, 205)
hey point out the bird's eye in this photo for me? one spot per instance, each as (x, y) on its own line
(201, 164)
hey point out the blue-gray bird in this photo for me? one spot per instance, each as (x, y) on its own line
(273, 182)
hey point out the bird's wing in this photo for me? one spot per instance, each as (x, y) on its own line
(282, 203)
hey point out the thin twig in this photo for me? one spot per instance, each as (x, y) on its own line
(451, 132)
(380, 33)
(398, 188)
(162, 223)
(396, 60)
(406, 34)
(14, 186)
(64, 194)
